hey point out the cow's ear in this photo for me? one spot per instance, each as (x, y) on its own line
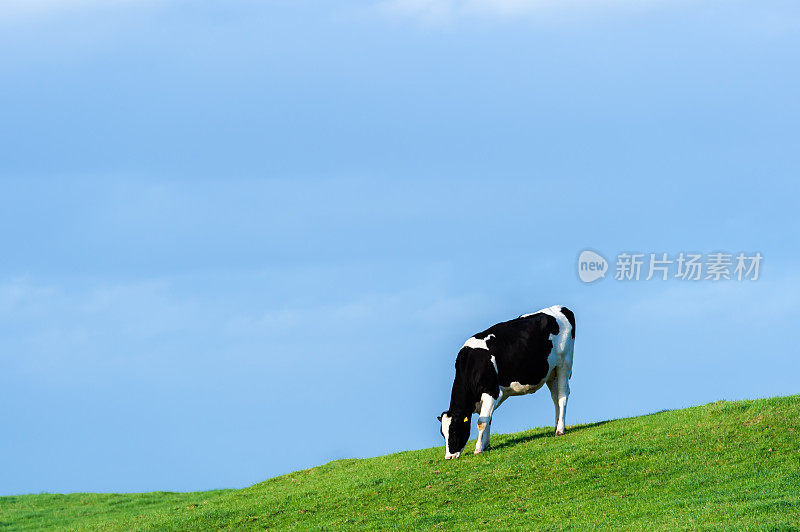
(439, 418)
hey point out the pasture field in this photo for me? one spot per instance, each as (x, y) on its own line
(731, 465)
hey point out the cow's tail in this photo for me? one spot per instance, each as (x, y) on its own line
(570, 318)
(567, 313)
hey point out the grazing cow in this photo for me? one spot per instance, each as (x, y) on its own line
(515, 357)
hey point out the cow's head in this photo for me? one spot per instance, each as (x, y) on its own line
(455, 429)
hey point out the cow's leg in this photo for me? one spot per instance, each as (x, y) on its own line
(488, 404)
(563, 395)
(552, 383)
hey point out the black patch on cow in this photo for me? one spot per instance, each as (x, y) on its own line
(475, 375)
(570, 317)
(521, 347)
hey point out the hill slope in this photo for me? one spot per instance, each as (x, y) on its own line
(735, 464)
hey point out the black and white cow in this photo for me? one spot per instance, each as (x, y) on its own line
(515, 357)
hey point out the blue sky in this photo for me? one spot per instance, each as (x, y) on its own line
(242, 237)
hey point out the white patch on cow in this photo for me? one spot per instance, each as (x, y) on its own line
(494, 363)
(478, 343)
(516, 388)
(446, 420)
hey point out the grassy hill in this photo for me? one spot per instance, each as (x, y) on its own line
(728, 464)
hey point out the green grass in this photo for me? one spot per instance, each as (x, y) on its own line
(725, 464)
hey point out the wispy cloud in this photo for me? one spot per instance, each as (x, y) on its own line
(433, 11)
(52, 332)
(12, 9)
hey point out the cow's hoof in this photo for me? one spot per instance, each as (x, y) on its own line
(559, 433)
(451, 456)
